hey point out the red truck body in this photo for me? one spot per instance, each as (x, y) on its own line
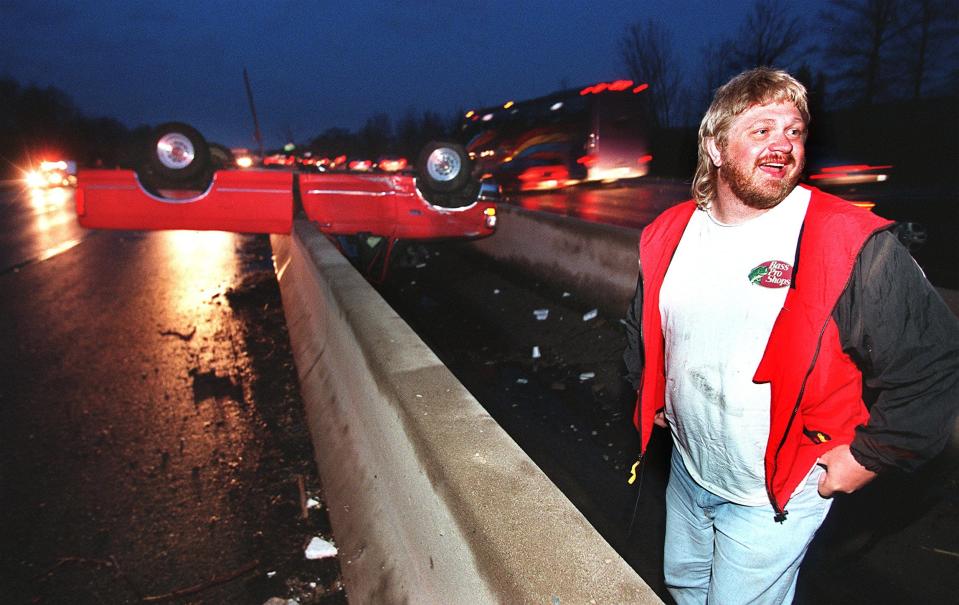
(262, 201)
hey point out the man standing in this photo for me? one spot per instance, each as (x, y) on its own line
(788, 341)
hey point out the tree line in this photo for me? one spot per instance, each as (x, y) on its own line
(37, 121)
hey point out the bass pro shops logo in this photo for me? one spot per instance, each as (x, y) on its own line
(772, 274)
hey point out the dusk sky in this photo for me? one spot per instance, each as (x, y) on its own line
(315, 65)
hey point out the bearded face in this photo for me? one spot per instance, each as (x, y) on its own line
(763, 154)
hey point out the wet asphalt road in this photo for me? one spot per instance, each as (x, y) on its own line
(153, 437)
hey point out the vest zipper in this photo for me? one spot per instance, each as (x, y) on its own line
(781, 512)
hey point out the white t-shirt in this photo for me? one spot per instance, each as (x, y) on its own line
(722, 293)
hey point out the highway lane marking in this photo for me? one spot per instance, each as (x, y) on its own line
(46, 254)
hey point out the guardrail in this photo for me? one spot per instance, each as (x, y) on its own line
(430, 500)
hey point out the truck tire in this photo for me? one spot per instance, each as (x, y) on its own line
(177, 157)
(444, 167)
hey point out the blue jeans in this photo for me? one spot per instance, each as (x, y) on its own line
(724, 553)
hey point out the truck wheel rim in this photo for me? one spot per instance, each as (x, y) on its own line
(175, 151)
(443, 164)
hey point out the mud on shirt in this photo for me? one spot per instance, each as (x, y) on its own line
(723, 290)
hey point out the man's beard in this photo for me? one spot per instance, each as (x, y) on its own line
(753, 194)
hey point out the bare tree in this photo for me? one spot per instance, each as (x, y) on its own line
(334, 141)
(860, 34)
(927, 47)
(376, 135)
(718, 64)
(432, 126)
(647, 51)
(408, 133)
(769, 37)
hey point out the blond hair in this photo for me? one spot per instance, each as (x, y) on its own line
(753, 87)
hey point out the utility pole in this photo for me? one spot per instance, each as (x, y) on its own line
(256, 122)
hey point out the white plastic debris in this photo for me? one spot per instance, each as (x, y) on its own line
(320, 549)
(541, 314)
(587, 376)
(496, 291)
(270, 574)
(566, 294)
(590, 315)
(281, 601)
(522, 381)
(536, 354)
(312, 503)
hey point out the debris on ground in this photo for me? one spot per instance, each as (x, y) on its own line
(320, 549)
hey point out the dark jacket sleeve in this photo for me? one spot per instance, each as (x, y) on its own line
(905, 340)
(633, 355)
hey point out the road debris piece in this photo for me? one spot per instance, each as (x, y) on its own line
(587, 376)
(320, 549)
(522, 381)
(590, 314)
(536, 353)
(301, 486)
(312, 503)
(541, 314)
(198, 588)
(281, 601)
(181, 335)
(566, 294)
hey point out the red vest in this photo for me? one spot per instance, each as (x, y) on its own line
(816, 389)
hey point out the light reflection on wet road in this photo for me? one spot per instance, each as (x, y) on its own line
(132, 438)
(35, 225)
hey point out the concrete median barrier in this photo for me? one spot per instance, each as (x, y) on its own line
(430, 500)
(597, 262)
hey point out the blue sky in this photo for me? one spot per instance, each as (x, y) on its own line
(315, 65)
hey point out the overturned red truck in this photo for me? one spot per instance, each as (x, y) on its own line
(178, 184)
